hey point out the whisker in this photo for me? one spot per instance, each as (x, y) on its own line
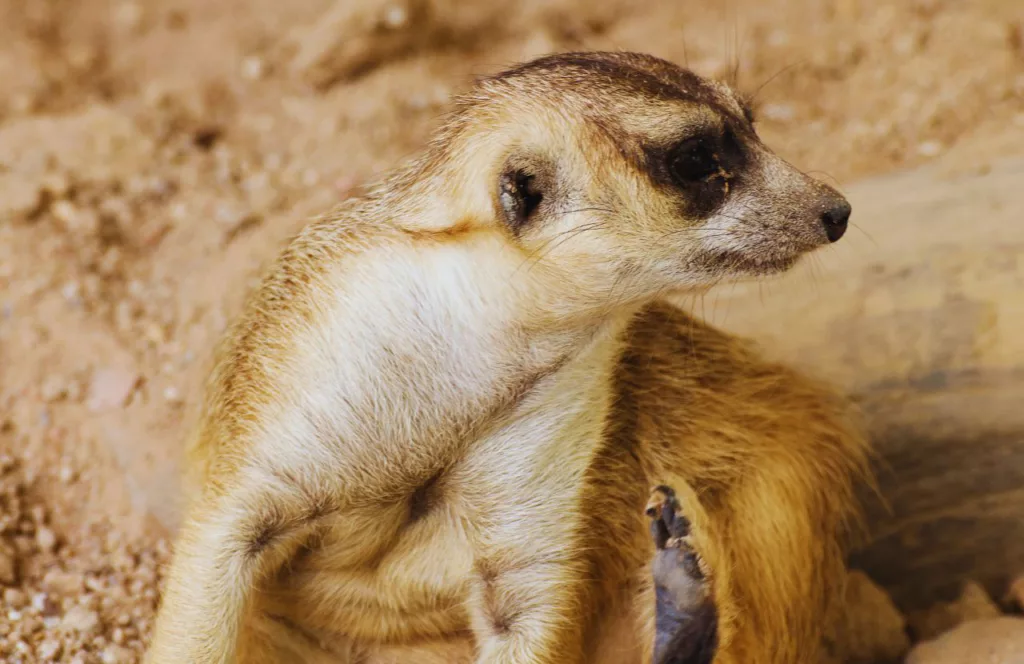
(565, 237)
(833, 179)
(754, 95)
(866, 234)
(575, 231)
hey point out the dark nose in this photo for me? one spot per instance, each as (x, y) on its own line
(835, 220)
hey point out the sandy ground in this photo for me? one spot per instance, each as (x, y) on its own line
(154, 155)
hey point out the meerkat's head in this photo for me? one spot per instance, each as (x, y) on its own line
(623, 171)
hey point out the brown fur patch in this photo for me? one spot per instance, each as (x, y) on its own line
(425, 498)
(453, 233)
(495, 605)
(263, 535)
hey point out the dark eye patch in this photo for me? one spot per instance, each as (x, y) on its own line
(694, 160)
(701, 169)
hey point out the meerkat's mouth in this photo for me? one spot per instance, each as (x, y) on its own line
(738, 262)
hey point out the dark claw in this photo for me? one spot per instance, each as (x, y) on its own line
(686, 630)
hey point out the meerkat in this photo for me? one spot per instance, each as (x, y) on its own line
(413, 420)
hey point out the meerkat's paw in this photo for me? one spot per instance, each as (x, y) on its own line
(686, 625)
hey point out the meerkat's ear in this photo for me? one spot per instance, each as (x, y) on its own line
(525, 186)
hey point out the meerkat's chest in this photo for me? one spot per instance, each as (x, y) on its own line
(534, 458)
(545, 445)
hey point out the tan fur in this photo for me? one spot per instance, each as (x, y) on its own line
(432, 424)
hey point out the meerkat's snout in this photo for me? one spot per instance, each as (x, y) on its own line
(835, 220)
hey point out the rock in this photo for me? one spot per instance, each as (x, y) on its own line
(20, 197)
(49, 650)
(66, 474)
(1015, 595)
(53, 389)
(80, 619)
(115, 654)
(46, 539)
(8, 563)
(871, 628)
(973, 604)
(929, 149)
(63, 583)
(988, 641)
(111, 388)
(14, 598)
(253, 68)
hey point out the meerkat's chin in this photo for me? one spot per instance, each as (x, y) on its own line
(743, 264)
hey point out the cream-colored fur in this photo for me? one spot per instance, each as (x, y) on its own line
(405, 435)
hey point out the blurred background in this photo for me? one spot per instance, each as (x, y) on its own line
(155, 154)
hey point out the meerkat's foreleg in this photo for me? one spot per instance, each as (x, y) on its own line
(686, 622)
(526, 609)
(529, 585)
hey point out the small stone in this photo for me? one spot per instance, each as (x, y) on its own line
(39, 602)
(253, 68)
(95, 584)
(128, 15)
(929, 149)
(115, 654)
(63, 583)
(75, 220)
(53, 389)
(71, 291)
(997, 640)
(14, 598)
(396, 16)
(1015, 593)
(80, 619)
(172, 394)
(66, 474)
(46, 539)
(974, 603)
(111, 388)
(19, 197)
(49, 650)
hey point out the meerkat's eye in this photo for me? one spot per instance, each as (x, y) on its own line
(519, 195)
(693, 160)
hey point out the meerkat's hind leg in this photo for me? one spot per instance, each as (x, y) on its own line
(686, 621)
